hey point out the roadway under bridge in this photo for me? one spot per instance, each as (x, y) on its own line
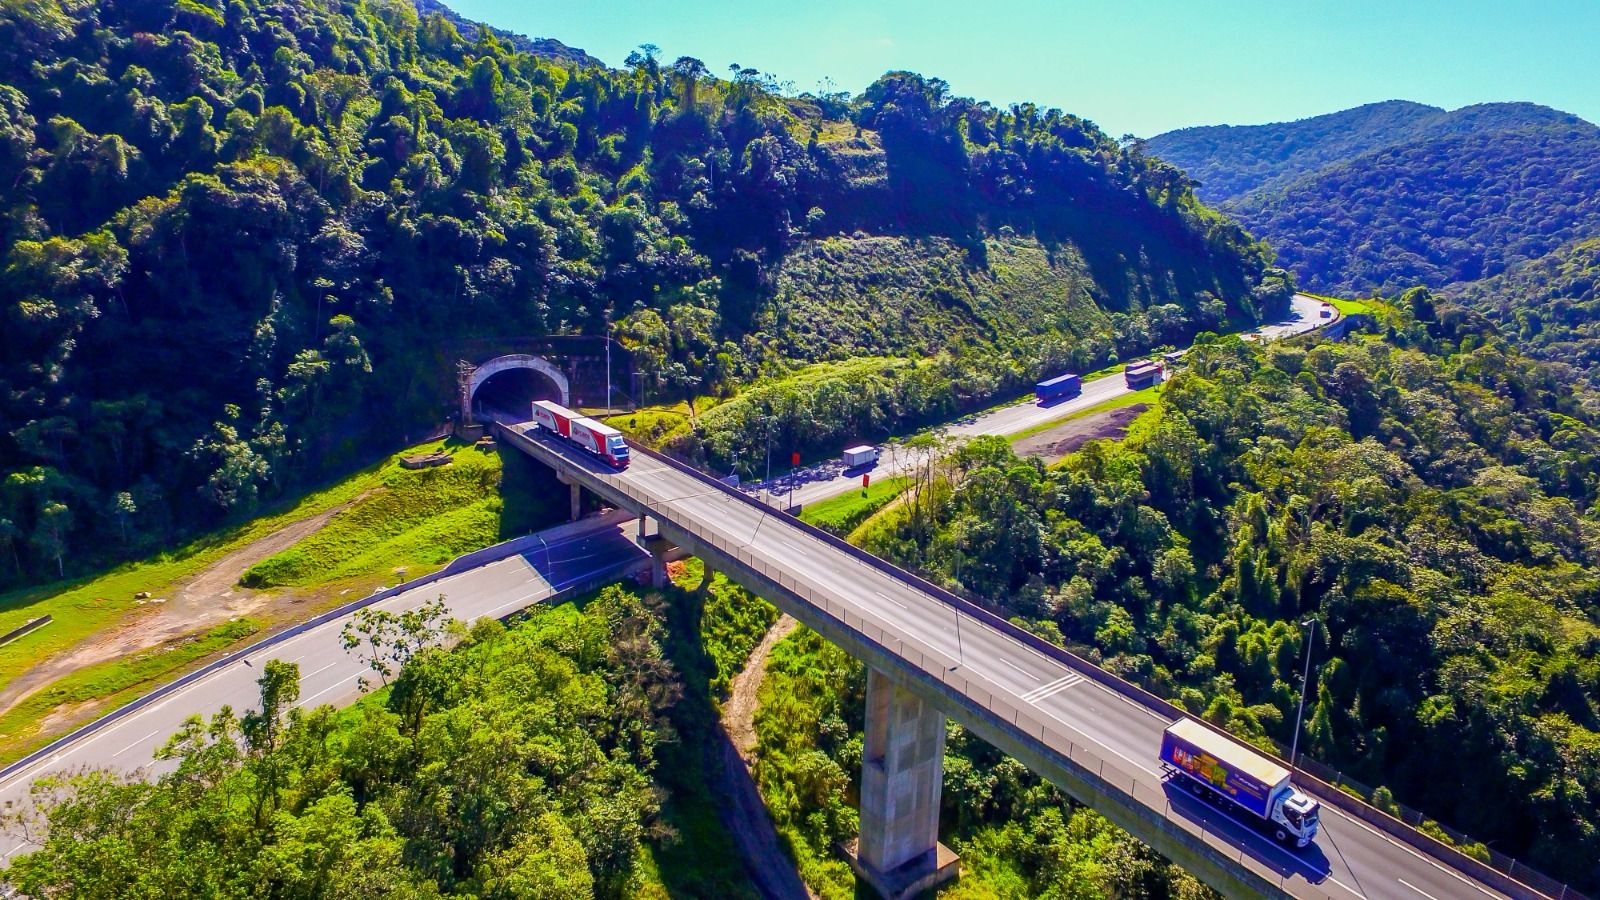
(932, 655)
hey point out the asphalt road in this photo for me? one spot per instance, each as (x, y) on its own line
(1348, 859)
(829, 480)
(328, 673)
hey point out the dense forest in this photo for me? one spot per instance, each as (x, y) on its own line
(1427, 494)
(1381, 198)
(1549, 306)
(1230, 161)
(245, 243)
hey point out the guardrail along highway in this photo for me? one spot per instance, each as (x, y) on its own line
(934, 655)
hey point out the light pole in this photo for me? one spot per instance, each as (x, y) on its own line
(549, 573)
(1294, 747)
(767, 483)
(608, 362)
(961, 655)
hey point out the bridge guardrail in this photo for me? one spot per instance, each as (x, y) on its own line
(1509, 875)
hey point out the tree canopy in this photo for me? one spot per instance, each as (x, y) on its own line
(246, 242)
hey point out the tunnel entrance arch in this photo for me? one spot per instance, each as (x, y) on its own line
(474, 378)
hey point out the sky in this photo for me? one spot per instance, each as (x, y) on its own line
(1136, 67)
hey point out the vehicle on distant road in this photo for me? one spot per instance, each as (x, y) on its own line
(860, 457)
(593, 437)
(1058, 388)
(1327, 311)
(1141, 373)
(1221, 770)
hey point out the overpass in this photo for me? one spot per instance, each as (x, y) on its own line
(931, 655)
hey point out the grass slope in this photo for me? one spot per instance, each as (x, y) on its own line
(396, 520)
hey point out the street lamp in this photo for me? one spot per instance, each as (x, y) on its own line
(1294, 747)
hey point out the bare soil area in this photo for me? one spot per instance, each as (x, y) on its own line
(206, 600)
(744, 814)
(1055, 443)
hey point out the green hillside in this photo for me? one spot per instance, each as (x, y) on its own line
(1550, 306)
(1231, 161)
(1387, 196)
(245, 243)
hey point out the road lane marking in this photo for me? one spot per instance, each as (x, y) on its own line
(1417, 889)
(882, 596)
(1054, 687)
(336, 685)
(1401, 845)
(137, 742)
(1016, 668)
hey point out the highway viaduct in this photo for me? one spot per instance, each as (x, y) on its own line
(932, 655)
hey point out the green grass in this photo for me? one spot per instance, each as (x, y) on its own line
(114, 682)
(87, 606)
(1345, 307)
(1113, 369)
(1143, 395)
(418, 519)
(395, 519)
(843, 513)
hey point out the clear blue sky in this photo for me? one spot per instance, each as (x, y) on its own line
(1140, 66)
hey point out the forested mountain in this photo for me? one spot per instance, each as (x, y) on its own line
(1550, 306)
(244, 243)
(1384, 197)
(1230, 161)
(1427, 495)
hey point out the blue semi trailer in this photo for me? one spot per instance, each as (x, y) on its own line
(1220, 769)
(1059, 387)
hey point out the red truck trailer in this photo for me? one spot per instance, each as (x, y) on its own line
(591, 436)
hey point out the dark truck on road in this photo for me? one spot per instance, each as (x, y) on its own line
(1141, 373)
(1219, 769)
(1058, 388)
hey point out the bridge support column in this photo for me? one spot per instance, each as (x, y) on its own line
(576, 493)
(902, 772)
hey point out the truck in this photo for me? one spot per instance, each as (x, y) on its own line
(1141, 373)
(1223, 771)
(860, 457)
(1058, 388)
(594, 438)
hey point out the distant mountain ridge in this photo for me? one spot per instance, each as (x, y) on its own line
(1391, 195)
(1230, 161)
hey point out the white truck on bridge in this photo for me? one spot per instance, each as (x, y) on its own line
(1220, 769)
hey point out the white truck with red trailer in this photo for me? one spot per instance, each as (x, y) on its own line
(591, 436)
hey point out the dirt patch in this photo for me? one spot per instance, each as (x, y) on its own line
(743, 813)
(1053, 444)
(739, 713)
(199, 603)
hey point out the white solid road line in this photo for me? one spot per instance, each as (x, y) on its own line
(882, 596)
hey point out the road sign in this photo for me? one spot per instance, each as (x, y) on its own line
(794, 458)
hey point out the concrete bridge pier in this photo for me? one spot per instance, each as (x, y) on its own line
(902, 773)
(661, 551)
(576, 494)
